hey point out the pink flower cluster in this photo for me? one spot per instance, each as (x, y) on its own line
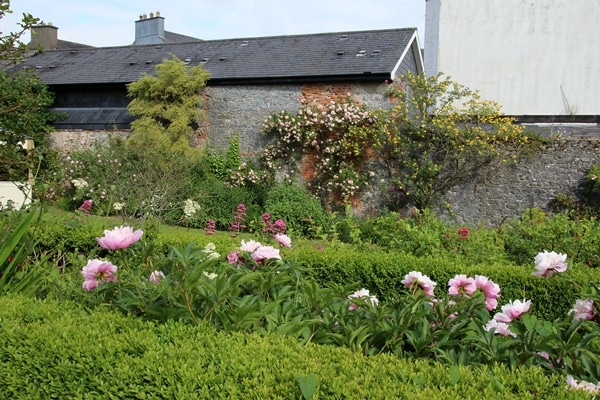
(119, 238)
(86, 207)
(463, 285)
(510, 312)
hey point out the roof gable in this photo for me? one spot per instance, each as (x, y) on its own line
(325, 56)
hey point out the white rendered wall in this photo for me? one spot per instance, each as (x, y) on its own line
(534, 57)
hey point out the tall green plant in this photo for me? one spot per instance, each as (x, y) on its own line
(438, 134)
(16, 245)
(167, 106)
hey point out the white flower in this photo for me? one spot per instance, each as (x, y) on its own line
(190, 208)
(210, 276)
(118, 206)
(79, 183)
(362, 294)
(583, 309)
(547, 263)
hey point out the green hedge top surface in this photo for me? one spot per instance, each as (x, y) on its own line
(58, 350)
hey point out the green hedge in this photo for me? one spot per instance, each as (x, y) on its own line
(382, 274)
(58, 350)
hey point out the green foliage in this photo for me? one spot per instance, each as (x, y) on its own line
(24, 114)
(52, 350)
(537, 231)
(222, 162)
(167, 105)
(300, 210)
(438, 134)
(141, 183)
(16, 246)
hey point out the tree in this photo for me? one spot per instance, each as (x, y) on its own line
(167, 105)
(24, 106)
(438, 134)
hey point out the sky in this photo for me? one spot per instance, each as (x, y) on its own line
(104, 23)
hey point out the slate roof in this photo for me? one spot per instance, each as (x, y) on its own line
(321, 57)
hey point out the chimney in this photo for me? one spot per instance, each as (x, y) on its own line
(44, 36)
(150, 30)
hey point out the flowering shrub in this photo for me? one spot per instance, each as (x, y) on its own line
(335, 136)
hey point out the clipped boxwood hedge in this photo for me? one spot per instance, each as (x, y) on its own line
(59, 350)
(382, 273)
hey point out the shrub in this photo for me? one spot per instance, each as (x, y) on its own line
(300, 210)
(52, 350)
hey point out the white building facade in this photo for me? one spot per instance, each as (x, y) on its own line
(533, 57)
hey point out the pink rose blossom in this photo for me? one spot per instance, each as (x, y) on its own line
(461, 284)
(548, 263)
(364, 295)
(583, 309)
(119, 238)
(512, 311)
(490, 290)
(250, 245)
(283, 240)
(501, 328)
(97, 271)
(265, 253)
(415, 279)
(156, 276)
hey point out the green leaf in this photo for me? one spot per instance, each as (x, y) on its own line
(454, 374)
(308, 386)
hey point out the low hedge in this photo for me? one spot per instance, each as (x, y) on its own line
(59, 350)
(361, 266)
(382, 273)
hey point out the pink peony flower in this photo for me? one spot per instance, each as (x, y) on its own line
(512, 311)
(283, 240)
(415, 279)
(461, 284)
(583, 309)
(490, 290)
(156, 276)
(119, 238)
(265, 253)
(233, 257)
(583, 385)
(362, 294)
(250, 245)
(547, 263)
(501, 328)
(97, 271)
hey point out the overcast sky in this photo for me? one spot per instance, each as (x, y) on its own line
(112, 22)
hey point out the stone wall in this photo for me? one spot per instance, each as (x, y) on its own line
(506, 190)
(493, 194)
